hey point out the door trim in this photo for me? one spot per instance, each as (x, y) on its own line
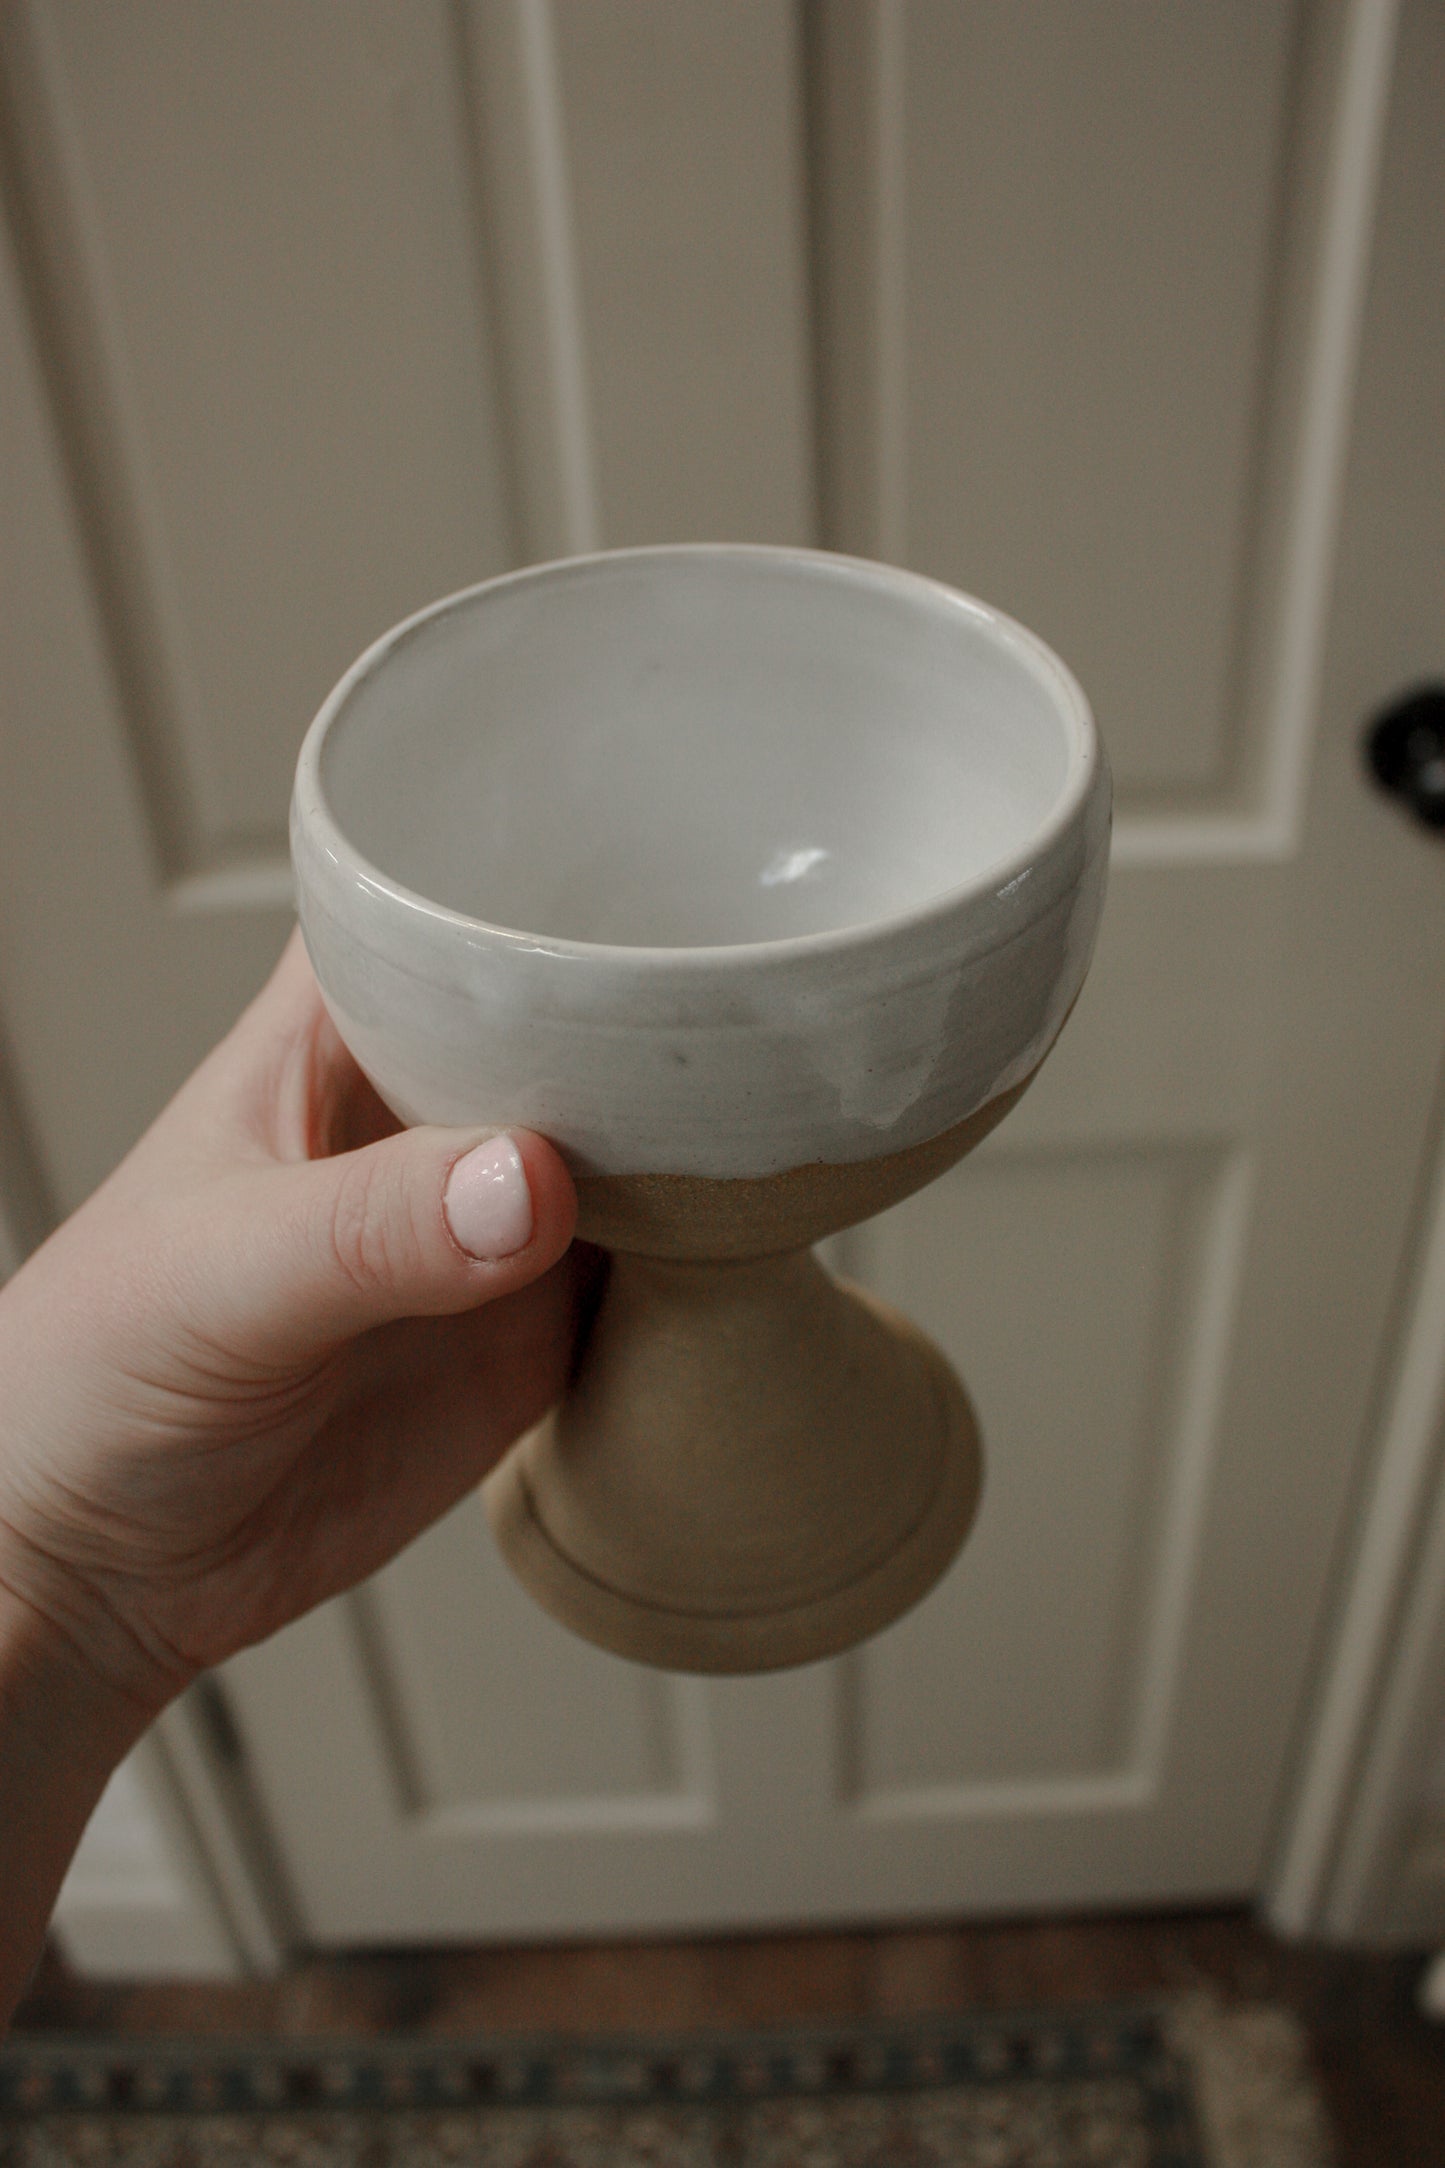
(1377, 1701)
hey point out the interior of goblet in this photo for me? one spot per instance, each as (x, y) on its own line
(698, 748)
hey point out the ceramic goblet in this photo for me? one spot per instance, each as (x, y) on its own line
(761, 881)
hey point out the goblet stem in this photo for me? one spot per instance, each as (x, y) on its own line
(756, 1466)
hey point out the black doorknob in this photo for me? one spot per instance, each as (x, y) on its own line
(1405, 752)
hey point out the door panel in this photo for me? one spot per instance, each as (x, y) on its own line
(1077, 219)
(1077, 1604)
(254, 380)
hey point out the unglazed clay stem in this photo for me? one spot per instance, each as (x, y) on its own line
(755, 1467)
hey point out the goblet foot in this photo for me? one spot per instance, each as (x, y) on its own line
(756, 1466)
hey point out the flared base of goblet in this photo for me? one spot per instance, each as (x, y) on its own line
(757, 1467)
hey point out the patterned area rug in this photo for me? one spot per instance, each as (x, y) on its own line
(1180, 2085)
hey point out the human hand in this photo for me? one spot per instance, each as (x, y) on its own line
(259, 1361)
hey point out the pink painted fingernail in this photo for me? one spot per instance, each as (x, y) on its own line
(487, 1202)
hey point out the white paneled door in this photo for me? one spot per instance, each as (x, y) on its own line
(1122, 316)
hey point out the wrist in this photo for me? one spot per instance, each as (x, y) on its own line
(62, 1732)
(58, 1708)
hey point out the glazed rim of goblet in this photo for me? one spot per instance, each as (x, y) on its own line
(1085, 760)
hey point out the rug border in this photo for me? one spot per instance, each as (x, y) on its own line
(243, 2066)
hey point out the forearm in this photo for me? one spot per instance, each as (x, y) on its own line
(61, 1734)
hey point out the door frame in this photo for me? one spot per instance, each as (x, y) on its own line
(1358, 1860)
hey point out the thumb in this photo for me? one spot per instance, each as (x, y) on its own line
(422, 1224)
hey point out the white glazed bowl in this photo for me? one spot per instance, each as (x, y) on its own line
(702, 860)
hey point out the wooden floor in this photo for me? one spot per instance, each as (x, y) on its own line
(1381, 2068)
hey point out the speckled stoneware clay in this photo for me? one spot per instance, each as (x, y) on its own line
(761, 881)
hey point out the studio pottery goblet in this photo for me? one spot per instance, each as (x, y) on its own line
(761, 882)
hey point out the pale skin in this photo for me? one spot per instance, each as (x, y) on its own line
(246, 1373)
